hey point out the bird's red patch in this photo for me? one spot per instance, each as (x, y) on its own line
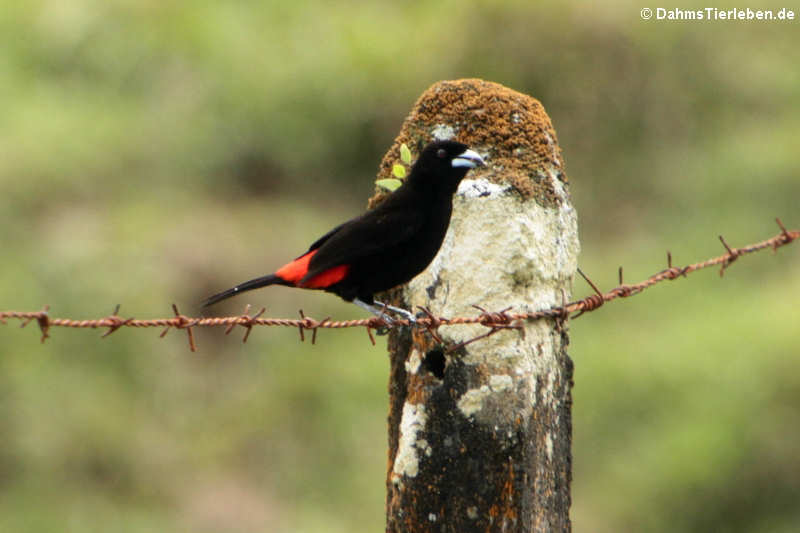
(327, 278)
(296, 270)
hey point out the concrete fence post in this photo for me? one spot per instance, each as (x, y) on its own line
(480, 436)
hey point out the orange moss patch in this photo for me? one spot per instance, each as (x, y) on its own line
(511, 128)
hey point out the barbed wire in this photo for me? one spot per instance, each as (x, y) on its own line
(494, 321)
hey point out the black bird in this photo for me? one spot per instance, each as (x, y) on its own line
(384, 247)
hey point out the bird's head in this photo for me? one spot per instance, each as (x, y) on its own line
(446, 162)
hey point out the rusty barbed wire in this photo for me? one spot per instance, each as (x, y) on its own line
(494, 321)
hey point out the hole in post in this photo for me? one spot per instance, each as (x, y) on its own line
(434, 362)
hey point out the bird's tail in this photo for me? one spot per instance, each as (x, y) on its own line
(263, 281)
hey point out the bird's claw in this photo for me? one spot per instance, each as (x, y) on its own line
(412, 320)
(398, 311)
(381, 310)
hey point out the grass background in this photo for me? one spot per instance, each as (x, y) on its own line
(156, 152)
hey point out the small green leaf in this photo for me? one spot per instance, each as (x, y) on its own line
(389, 183)
(405, 154)
(399, 170)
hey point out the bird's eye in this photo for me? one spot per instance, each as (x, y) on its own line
(441, 153)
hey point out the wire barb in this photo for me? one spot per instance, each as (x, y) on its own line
(44, 322)
(673, 272)
(432, 323)
(369, 334)
(786, 237)
(246, 321)
(116, 322)
(300, 326)
(184, 322)
(733, 255)
(590, 303)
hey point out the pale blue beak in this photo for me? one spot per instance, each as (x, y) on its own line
(468, 159)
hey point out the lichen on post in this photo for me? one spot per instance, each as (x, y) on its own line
(479, 436)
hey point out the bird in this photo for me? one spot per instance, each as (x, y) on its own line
(386, 246)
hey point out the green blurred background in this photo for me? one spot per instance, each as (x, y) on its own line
(155, 152)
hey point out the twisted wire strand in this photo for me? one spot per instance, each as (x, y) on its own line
(494, 321)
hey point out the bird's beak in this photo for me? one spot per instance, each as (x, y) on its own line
(468, 159)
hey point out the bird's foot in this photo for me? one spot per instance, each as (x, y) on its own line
(379, 309)
(408, 315)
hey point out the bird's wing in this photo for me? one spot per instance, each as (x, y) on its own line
(384, 227)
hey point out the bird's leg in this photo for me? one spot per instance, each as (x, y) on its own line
(378, 308)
